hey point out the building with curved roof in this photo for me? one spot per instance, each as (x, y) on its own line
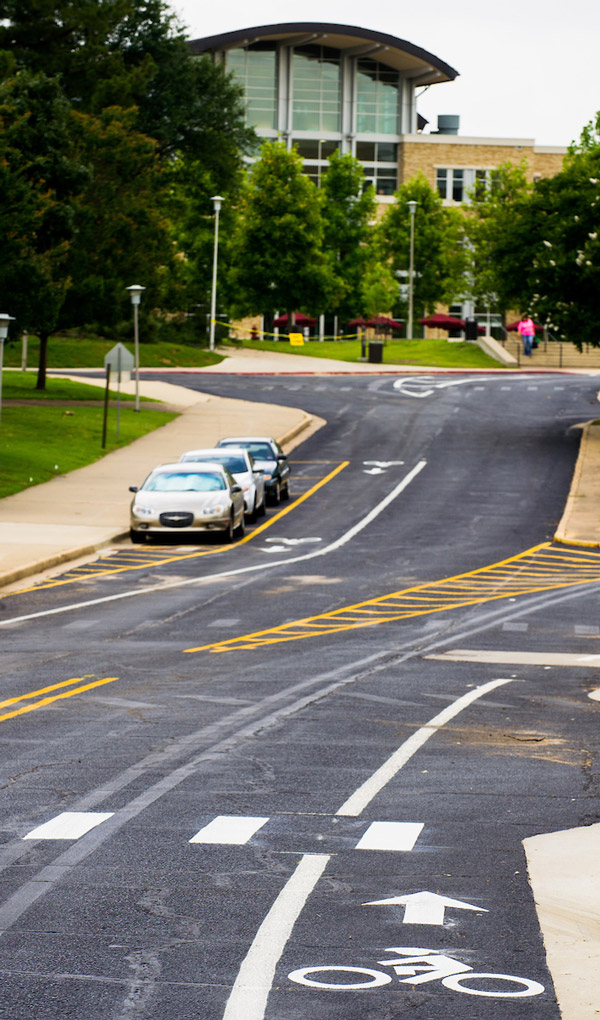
(324, 87)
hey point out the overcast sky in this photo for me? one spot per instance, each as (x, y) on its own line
(527, 68)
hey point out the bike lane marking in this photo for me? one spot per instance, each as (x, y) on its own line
(248, 998)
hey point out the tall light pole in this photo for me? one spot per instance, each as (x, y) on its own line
(4, 321)
(412, 208)
(216, 201)
(135, 292)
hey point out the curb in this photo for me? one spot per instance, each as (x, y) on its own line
(561, 533)
(308, 421)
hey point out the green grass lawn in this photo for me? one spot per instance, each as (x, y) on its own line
(21, 386)
(89, 352)
(39, 442)
(435, 353)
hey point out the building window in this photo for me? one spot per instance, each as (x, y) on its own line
(458, 180)
(255, 69)
(441, 181)
(315, 155)
(376, 98)
(380, 161)
(316, 99)
(458, 184)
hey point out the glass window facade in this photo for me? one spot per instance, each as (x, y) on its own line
(316, 96)
(376, 98)
(255, 69)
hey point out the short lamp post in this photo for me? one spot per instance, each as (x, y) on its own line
(135, 292)
(216, 201)
(4, 321)
(412, 208)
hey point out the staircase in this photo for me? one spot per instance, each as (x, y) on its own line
(554, 354)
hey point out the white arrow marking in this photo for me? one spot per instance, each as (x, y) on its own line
(384, 463)
(424, 907)
(293, 541)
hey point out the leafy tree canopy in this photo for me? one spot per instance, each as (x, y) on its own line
(348, 211)
(440, 258)
(277, 260)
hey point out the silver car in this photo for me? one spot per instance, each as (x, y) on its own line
(240, 464)
(183, 498)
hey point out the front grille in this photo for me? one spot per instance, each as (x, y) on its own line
(176, 520)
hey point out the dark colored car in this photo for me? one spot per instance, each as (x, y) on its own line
(270, 459)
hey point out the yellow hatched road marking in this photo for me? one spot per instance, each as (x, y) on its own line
(542, 568)
(56, 697)
(79, 573)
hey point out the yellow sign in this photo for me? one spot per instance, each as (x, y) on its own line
(296, 339)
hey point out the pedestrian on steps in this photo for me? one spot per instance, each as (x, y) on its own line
(526, 328)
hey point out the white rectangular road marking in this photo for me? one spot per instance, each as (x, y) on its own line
(233, 830)
(390, 836)
(518, 658)
(69, 825)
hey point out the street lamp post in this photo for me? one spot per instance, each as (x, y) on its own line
(135, 292)
(216, 201)
(4, 321)
(412, 208)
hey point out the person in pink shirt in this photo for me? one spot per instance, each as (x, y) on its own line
(526, 328)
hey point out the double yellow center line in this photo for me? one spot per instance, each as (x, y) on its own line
(53, 697)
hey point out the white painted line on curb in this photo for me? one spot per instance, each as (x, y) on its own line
(248, 998)
(390, 836)
(234, 830)
(69, 825)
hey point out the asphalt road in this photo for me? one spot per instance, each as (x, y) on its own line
(228, 773)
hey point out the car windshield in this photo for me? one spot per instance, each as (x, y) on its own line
(184, 481)
(234, 463)
(260, 451)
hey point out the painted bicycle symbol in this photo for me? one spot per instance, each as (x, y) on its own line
(415, 966)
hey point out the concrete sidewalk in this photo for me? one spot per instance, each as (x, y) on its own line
(75, 515)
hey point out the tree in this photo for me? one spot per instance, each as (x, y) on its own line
(132, 53)
(276, 258)
(378, 290)
(499, 229)
(348, 210)
(565, 275)
(39, 178)
(122, 235)
(440, 258)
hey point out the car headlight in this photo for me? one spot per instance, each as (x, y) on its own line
(210, 510)
(143, 511)
(267, 476)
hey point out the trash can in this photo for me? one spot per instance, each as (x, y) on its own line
(375, 352)
(470, 329)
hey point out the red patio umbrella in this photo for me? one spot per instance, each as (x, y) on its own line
(442, 321)
(384, 320)
(301, 320)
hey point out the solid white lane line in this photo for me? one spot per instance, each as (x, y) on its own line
(69, 825)
(248, 998)
(390, 836)
(362, 797)
(346, 537)
(231, 829)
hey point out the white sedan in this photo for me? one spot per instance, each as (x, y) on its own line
(240, 464)
(183, 498)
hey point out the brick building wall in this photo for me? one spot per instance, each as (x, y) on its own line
(425, 153)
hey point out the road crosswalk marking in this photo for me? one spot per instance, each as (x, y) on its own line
(69, 825)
